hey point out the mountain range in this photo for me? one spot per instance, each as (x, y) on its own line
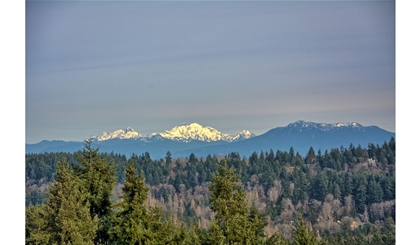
(185, 139)
(183, 133)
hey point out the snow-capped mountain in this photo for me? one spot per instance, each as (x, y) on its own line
(182, 133)
(301, 136)
(243, 135)
(128, 133)
(182, 140)
(323, 126)
(195, 131)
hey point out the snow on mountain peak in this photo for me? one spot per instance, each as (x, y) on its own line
(128, 133)
(184, 133)
(193, 131)
(244, 134)
(347, 124)
(323, 126)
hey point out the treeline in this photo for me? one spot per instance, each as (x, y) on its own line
(342, 193)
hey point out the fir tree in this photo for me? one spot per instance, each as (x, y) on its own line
(320, 186)
(65, 217)
(234, 221)
(98, 177)
(302, 236)
(361, 194)
(135, 222)
(36, 226)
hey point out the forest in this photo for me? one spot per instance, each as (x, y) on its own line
(340, 196)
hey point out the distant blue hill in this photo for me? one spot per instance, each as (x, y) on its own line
(300, 135)
(54, 146)
(157, 148)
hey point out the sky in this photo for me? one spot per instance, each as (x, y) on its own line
(97, 66)
(55, 56)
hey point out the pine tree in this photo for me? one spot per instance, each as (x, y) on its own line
(310, 156)
(337, 191)
(348, 183)
(194, 236)
(36, 226)
(287, 193)
(257, 223)
(361, 194)
(320, 186)
(128, 224)
(374, 191)
(168, 158)
(234, 221)
(135, 222)
(389, 231)
(302, 236)
(276, 239)
(65, 217)
(98, 177)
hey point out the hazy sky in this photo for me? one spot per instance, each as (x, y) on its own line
(101, 66)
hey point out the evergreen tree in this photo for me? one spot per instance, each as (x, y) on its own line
(337, 192)
(291, 154)
(374, 191)
(361, 194)
(257, 223)
(287, 193)
(65, 217)
(36, 230)
(178, 181)
(98, 177)
(194, 236)
(276, 239)
(388, 186)
(301, 186)
(301, 235)
(233, 223)
(135, 222)
(310, 156)
(348, 183)
(320, 187)
(388, 231)
(168, 158)
(192, 159)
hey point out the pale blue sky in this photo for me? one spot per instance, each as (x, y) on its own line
(13, 107)
(101, 66)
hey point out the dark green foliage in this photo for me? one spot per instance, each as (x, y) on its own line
(163, 193)
(320, 187)
(375, 192)
(301, 235)
(235, 222)
(64, 218)
(36, 230)
(310, 157)
(287, 193)
(257, 223)
(300, 192)
(358, 183)
(178, 181)
(135, 222)
(361, 193)
(168, 158)
(44, 166)
(98, 177)
(276, 239)
(348, 183)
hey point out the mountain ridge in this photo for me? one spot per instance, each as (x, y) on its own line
(183, 133)
(301, 135)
